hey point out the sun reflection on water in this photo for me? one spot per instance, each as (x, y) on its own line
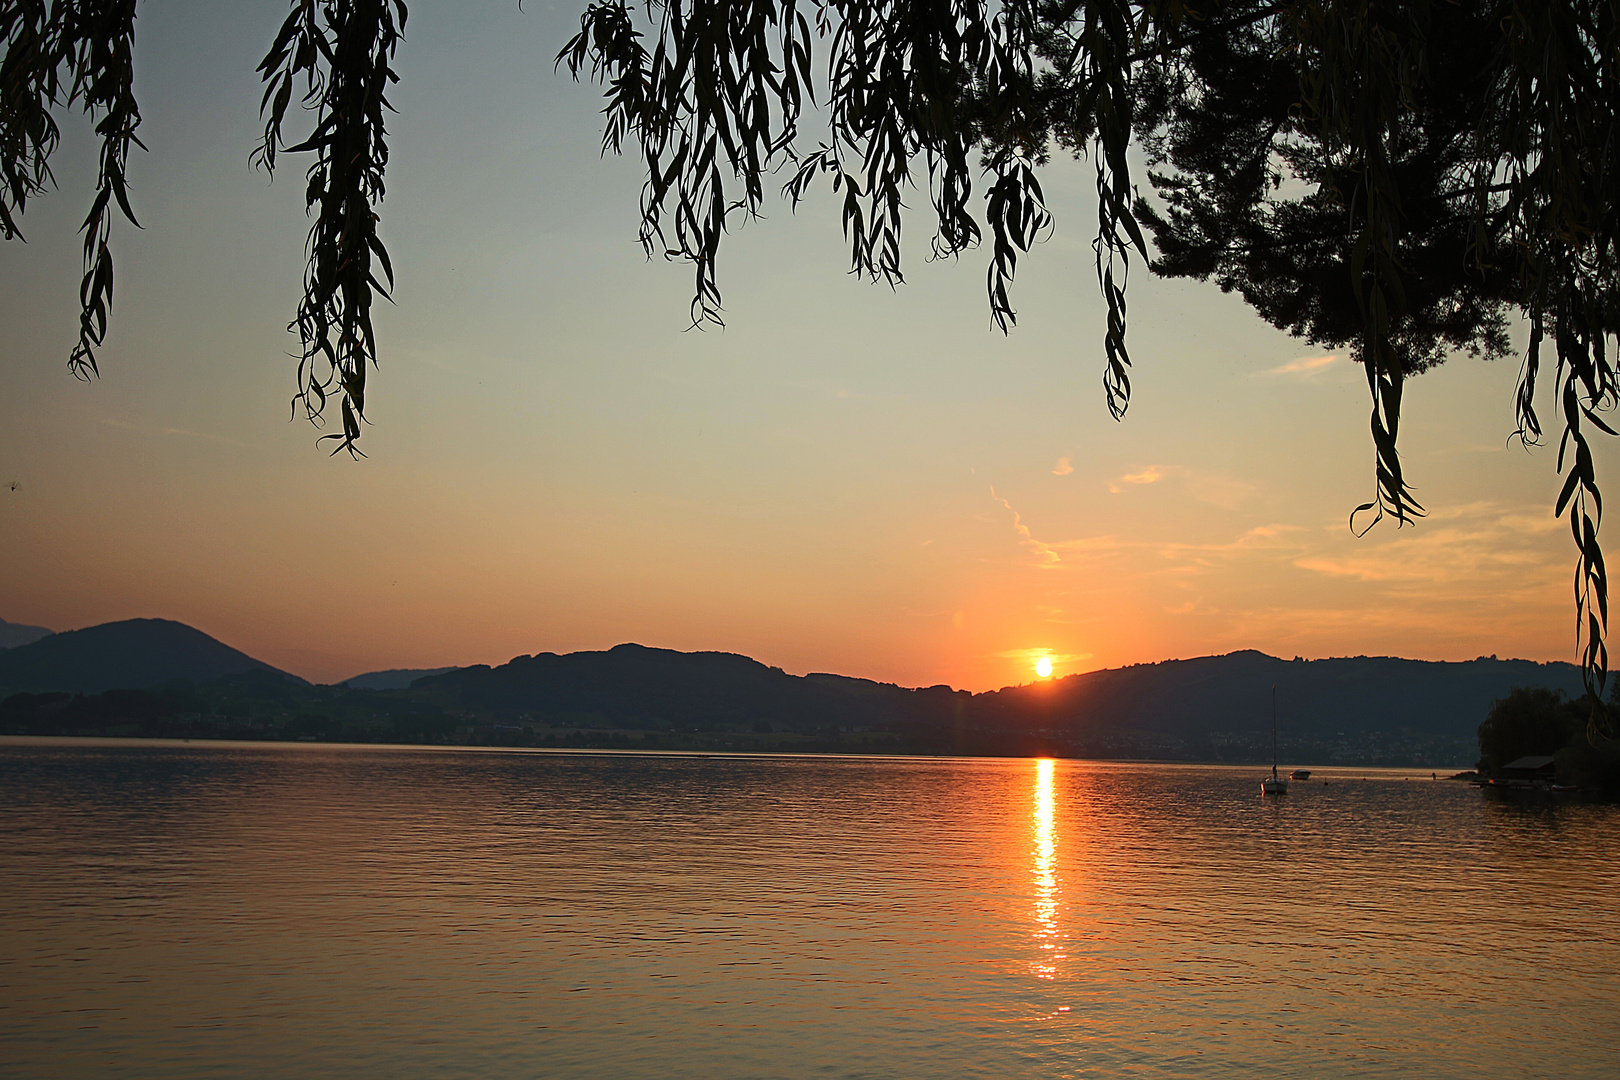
(1047, 935)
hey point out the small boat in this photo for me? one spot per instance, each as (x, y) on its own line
(1274, 784)
(1300, 774)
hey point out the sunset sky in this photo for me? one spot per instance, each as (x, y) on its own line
(846, 478)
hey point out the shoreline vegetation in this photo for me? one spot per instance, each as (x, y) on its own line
(1535, 722)
(1589, 770)
(264, 706)
(1532, 720)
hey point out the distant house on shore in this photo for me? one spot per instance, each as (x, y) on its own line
(1533, 770)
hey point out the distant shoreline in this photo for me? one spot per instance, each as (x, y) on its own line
(161, 679)
(1334, 771)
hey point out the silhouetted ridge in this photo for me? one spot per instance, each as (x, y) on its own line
(635, 684)
(391, 679)
(1361, 708)
(14, 635)
(134, 654)
(1352, 710)
(1231, 694)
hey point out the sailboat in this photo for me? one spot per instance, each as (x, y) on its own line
(1274, 784)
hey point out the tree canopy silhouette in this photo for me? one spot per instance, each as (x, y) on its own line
(1396, 177)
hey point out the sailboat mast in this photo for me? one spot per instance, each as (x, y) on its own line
(1274, 731)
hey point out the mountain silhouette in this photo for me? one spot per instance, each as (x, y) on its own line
(14, 634)
(632, 684)
(134, 654)
(1205, 707)
(1317, 698)
(392, 679)
(1346, 710)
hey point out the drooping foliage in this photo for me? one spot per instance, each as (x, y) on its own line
(931, 94)
(1393, 176)
(1398, 178)
(62, 53)
(340, 52)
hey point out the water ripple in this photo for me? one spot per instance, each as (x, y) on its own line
(248, 911)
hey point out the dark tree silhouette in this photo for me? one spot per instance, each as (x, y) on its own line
(1530, 720)
(1395, 175)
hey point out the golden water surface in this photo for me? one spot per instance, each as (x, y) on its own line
(234, 910)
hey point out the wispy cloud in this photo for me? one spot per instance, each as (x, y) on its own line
(1305, 366)
(1275, 544)
(1063, 467)
(1483, 552)
(1151, 474)
(1044, 552)
(184, 433)
(1480, 570)
(1217, 490)
(1212, 488)
(1191, 607)
(1269, 540)
(1484, 576)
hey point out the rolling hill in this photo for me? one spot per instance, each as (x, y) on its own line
(1350, 710)
(1364, 709)
(13, 635)
(391, 679)
(133, 654)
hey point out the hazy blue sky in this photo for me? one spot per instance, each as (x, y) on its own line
(845, 479)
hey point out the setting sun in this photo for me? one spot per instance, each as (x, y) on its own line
(1043, 667)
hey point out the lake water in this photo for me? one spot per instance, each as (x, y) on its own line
(240, 910)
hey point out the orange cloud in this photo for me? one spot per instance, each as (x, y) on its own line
(1305, 365)
(1212, 488)
(1044, 552)
(1152, 474)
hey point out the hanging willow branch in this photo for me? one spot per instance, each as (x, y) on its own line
(341, 51)
(915, 91)
(1552, 131)
(30, 86)
(1360, 65)
(58, 54)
